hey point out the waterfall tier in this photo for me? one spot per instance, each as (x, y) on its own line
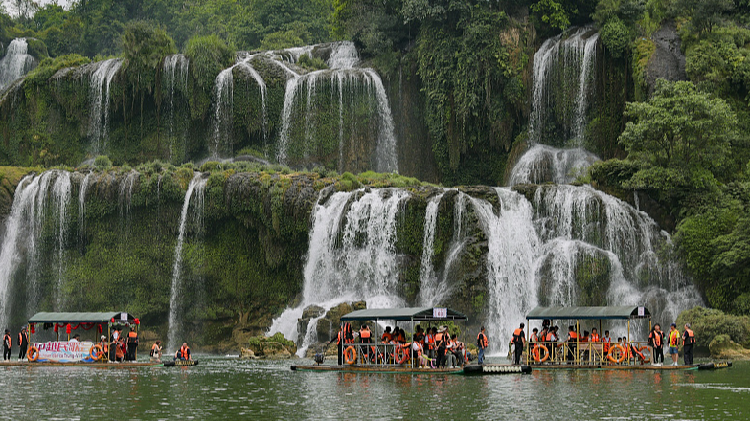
(16, 63)
(563, 84)
(547, 164)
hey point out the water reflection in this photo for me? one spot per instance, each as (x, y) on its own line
(223, 388)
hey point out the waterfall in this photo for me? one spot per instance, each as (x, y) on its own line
(559, 106)
(196, 187)
(62, 197)
(352, 255)
(224, 103)
(176, 71)
(542, 164)
(23, 236)
(513, 242)
(99, 86)
(16, 62)
(430, 291)
(82, 204)
(312, 93)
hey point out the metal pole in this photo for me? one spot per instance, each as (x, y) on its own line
(628, 343)
(578, 341)
(528, 335)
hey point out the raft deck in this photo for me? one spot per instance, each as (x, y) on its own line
(79, 364)
(469, 369)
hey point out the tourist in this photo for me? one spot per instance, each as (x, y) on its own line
(450, 356)
(23, 343)
(339, 339)
(607, 342)
(482, 344)
(183, 354)
(534, 336)
(674, 342)
(458, 351)
(155, 353)
(441, 346)
(400, 336)
(518, 340)
(656, 340)
(550, 342)
(132, 344)
(387, 337)
(76, 338)
(7, 342)
(105, 346)
(114, 346)
(430, 342)
(688, 340)
(594, 335)
(572, 343)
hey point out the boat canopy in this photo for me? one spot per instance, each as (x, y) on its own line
(417, 314)
(589, 313)
(104, 317)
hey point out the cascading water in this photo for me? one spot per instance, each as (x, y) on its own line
(512, 247)
(196, 188)
(221, 140)
(559, 106)
(542, 164)
(307, 94)
(16, 62)
(176, 71)
(430, 291)
(82, 204)
(353, 257)
(23, 233)
(99, 86)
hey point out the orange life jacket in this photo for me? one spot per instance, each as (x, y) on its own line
(517, 338)
(482, 339)
(22, 336)
(550, 337)
(387, 337)
(656, 339)
(688, 338)
(573, 335)
(430, 341)
(594, 337)
(439, 337)
(7, 339)
(364, 333)
(154, 347)
(183, 352)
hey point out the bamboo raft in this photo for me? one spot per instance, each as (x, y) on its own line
(79, 364)
(469, 369)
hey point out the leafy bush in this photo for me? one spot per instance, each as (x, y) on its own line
(708, 323)
(616, 38)
(102, 162)
(312, 63)
(208, 55)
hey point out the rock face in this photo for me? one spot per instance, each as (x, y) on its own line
(723, 348)
(271, 348)
(667, 62)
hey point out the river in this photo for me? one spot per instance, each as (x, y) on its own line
(227, 388)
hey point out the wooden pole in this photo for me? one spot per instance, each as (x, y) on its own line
(578, 342)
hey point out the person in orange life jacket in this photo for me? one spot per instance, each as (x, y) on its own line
(518, 340)
(607, 341)
(688, 340)
(183, 354)
(132, 344)
(534, 336)
(482, 344)
(399, 335)
(674, 342)
(656, 340)
(23, 343)
(441, 342)
(419, 336)
(550, 340)
(387, 337)
(339, 339)
(572, 343)
(365, 337)
(7, 342)
(114, 340)
(594, 336)
(155, 352)
(430, 346)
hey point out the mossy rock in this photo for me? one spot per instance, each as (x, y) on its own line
(723, 348)
(272, 347)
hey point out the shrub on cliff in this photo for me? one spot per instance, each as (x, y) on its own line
(208, 56)
(144, 46)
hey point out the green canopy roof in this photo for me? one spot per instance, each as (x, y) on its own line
(104, 317)
(420, 314)
(588, 313)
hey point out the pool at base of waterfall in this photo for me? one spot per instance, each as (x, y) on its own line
(227, 388)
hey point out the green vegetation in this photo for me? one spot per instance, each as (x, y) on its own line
(709, 323)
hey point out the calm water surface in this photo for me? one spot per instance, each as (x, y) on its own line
(227, 388)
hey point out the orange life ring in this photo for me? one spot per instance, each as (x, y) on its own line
(535, 352)
(98, 355)
(644, 358)
(612, 350)
(350, 355)
(33, 354)
(402, 354)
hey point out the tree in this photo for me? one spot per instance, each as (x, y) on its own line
(704, 14)
(681, 136)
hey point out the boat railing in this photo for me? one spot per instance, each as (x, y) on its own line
(588, 353)
(378, 354)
